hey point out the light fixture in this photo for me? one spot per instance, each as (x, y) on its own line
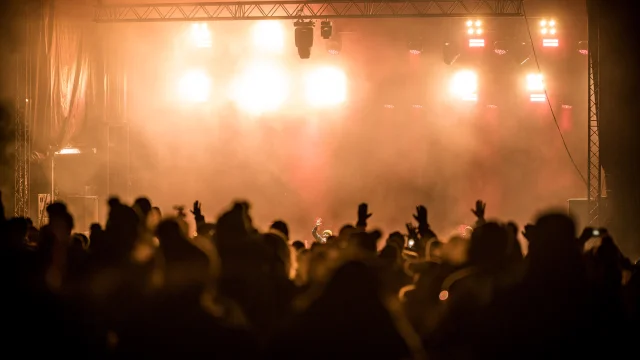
(450, 52)
(326, 29)
(464, 85)
(583, 47)
(501, 47)
(474, 28)
(415, 45)
(200, 35)
(304, 37)
(548, 30)
(535, 82)
(334, 45)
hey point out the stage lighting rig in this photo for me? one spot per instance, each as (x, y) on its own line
(501, 47)
(548, 31)
(536, 87)
(326, 29)
(415, 45)
(474, 30)
(304, 37)
(334, 45)
(583, 47)
(450, 52)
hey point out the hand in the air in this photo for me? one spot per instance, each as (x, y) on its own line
(479, 210)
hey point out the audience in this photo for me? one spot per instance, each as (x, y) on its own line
(144, 286)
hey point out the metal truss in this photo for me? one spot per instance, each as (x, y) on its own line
(315, 9)
(594, 179)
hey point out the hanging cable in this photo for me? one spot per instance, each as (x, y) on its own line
(555, 120)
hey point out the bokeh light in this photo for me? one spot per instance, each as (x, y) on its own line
(268, 36)
(326, 86)
(194, 86)
(263, 87)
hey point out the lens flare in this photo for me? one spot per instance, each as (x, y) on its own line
(263, 87)
(194, 86)
(326, 86)
(268, 36)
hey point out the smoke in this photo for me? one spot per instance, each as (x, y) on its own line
(299, 164)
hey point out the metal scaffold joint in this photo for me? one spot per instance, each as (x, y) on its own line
(291, 10)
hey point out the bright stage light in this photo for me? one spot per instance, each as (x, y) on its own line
(535, 82)
(548, 28)
(464, 85)
(200, 35)
(194, 86)
(261, 88)
(326, 86)
(268, 35)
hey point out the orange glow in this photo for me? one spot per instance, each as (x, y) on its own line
(326, 86)
(195, 86)
(263, 87)
(268, 36)
(200, 35)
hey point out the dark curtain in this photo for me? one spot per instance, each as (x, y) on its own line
(619, 114)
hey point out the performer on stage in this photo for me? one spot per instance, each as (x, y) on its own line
(322, 238)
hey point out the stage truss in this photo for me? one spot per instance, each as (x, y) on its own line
(595, 172)
(315, 9)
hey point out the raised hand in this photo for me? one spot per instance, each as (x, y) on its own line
(412, 231)
(529, 232)
(421, 214)
(318, 221)
(197, 209)
(363, 215)
(479, 210)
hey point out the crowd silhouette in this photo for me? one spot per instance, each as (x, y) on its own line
(144, 285)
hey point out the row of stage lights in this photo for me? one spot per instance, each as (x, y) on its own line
(464, 86)
(264, 87)
(474, 30)
(271, 33)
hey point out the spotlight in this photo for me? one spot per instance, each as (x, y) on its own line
(464, 85)
(474, 27)
(415, 46)
(304, 37)
(334, 45)
(501, 47)
(200, 35)
(535, 82)
(194, 86)
(548, 28)
(450, 53)
(326, 29)
(326, 87)
(268, 36)
(583, 47)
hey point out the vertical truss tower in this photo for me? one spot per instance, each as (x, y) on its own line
(594, 178)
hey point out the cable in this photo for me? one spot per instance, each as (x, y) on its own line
(555, 120)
